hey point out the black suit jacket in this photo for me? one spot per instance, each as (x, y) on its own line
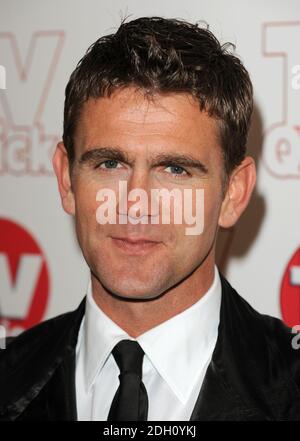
(254, 373)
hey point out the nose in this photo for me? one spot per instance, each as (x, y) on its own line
(135, 197)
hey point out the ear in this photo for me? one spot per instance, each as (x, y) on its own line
(60, 163)
(239, 190)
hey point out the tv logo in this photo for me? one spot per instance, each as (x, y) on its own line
(290, 291)
(2, 77)
(26, 147)
(281, 146)
(24, 277)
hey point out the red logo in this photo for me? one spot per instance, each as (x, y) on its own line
(24, 278)
(290, 292)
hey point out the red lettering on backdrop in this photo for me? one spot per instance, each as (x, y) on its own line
(290, 291)
(25, 278)
(281, 147)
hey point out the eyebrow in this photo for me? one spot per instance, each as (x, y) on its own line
(93, 156)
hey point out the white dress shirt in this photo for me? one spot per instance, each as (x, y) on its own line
(177, 354)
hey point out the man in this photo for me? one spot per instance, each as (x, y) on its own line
(161, 335)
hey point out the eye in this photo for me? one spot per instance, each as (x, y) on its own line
(177, 170)
(109, 164)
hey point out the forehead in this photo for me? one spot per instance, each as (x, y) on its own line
(131, 120)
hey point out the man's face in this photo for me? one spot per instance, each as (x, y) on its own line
(161, 143)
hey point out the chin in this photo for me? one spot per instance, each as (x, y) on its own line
(138, 296)
(133, 289)
(127, 282)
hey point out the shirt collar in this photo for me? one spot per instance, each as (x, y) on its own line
(178, 348)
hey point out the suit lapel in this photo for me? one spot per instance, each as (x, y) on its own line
(219, 397)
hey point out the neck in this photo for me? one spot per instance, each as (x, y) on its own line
(137, 317)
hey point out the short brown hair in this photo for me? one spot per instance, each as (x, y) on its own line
(161, 55)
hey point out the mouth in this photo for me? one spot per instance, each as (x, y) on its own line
(134, 245)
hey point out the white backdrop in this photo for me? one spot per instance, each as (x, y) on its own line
(42, 272)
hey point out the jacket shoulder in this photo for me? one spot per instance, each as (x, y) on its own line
(31, 358)
(272, 330)
(264, 346)
(37, 333)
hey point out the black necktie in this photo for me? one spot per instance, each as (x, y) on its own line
(130, 402)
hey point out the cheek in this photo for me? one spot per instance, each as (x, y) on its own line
(86, 195)
(211, 215)
(206, 205)
(212, 207)
(85, 206)
(196, 244)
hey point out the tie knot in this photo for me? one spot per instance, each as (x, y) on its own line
(129, 356)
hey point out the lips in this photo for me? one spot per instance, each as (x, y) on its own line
(135, 245)
(135, 240)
